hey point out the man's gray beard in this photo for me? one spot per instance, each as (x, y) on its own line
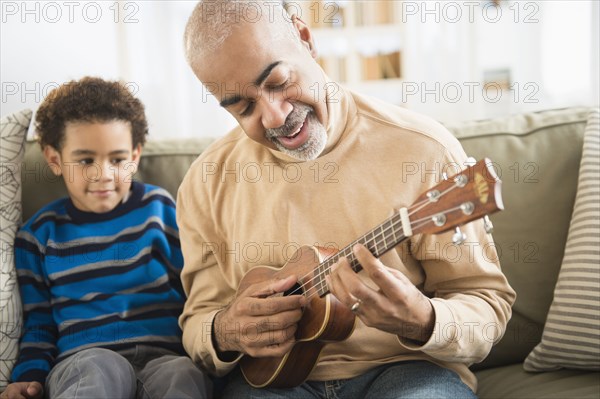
(317, 136)
(313, 147)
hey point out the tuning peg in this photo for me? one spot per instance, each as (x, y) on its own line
(433, 195)
(487, 224)
(458, 237)
(444, 176)
(470, 161)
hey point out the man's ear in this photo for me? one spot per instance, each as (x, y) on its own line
(305, 35)
(52, 156)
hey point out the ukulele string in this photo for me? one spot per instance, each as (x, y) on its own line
(424, 222)
(377, 240)
(316, 292)
(414, 208)
(418, 207)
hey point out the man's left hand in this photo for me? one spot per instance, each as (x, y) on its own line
(397, 307)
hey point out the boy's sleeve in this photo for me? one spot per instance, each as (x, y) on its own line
(172, 251)
(37, 349)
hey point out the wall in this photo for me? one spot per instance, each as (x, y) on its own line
(547, 45)
(46, 43)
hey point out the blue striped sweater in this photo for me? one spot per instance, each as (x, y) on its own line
(107, 280)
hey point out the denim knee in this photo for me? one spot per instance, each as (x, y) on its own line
(108, 361)
(174, 377)
(92, 372)
(109, 364)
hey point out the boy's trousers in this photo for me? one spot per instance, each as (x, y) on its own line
(139, 372)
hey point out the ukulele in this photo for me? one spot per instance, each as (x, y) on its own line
(471, 194)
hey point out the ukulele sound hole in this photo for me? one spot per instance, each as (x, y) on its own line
(296, 289)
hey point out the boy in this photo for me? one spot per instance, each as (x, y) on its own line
(99, 270)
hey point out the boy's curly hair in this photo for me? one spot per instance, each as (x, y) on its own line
(92, 100)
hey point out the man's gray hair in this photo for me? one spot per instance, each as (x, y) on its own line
(213, 21)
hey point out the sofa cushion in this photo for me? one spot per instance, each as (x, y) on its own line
(539, 184)
(537, 156)
(172, 159)
(571, 337)
(514, 382)
(13, 130)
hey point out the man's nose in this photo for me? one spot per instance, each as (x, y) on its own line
(275, 110)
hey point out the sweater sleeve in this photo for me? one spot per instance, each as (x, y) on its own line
(203, 281)
(37, 349)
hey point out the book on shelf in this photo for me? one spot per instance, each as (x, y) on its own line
(374, 12)
(390, 65)
(350, 51)
(381, 66)
(334, 67)
(333, 14)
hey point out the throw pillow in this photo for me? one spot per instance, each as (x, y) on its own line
(572, 329)
(13, 131)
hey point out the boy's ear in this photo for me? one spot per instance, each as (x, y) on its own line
(53, 159)
(305, 35)
(135, 156)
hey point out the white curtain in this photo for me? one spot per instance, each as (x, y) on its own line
(152, 48)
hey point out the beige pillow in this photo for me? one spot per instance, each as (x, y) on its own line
(539, 185)
(13, 130)
(571, 337)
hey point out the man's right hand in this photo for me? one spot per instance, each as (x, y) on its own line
(258, 322)
(23, 390)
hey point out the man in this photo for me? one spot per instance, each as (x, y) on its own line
(312, 163)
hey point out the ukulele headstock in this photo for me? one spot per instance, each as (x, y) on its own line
(468, 195)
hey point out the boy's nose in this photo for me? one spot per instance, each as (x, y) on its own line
(107, 172)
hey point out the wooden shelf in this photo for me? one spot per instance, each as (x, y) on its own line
(357, 41)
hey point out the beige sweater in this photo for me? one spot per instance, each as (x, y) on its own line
(242, 205)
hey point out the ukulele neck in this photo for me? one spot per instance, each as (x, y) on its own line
(378, 241)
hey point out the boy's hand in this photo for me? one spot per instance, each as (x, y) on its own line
(23, 390)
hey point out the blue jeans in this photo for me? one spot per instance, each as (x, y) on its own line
(411, 379)
(139, 372)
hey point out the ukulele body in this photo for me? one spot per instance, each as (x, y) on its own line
(323, 320)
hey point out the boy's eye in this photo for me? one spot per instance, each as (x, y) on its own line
(86, 161)
(117, 161)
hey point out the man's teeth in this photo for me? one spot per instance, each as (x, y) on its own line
(294, 133)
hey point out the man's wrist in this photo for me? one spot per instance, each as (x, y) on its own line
(218, 341)
(420, 331)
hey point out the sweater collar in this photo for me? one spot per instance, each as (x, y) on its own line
(133, 202)
(341, 109)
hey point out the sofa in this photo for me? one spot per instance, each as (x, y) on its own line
(537, 156)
